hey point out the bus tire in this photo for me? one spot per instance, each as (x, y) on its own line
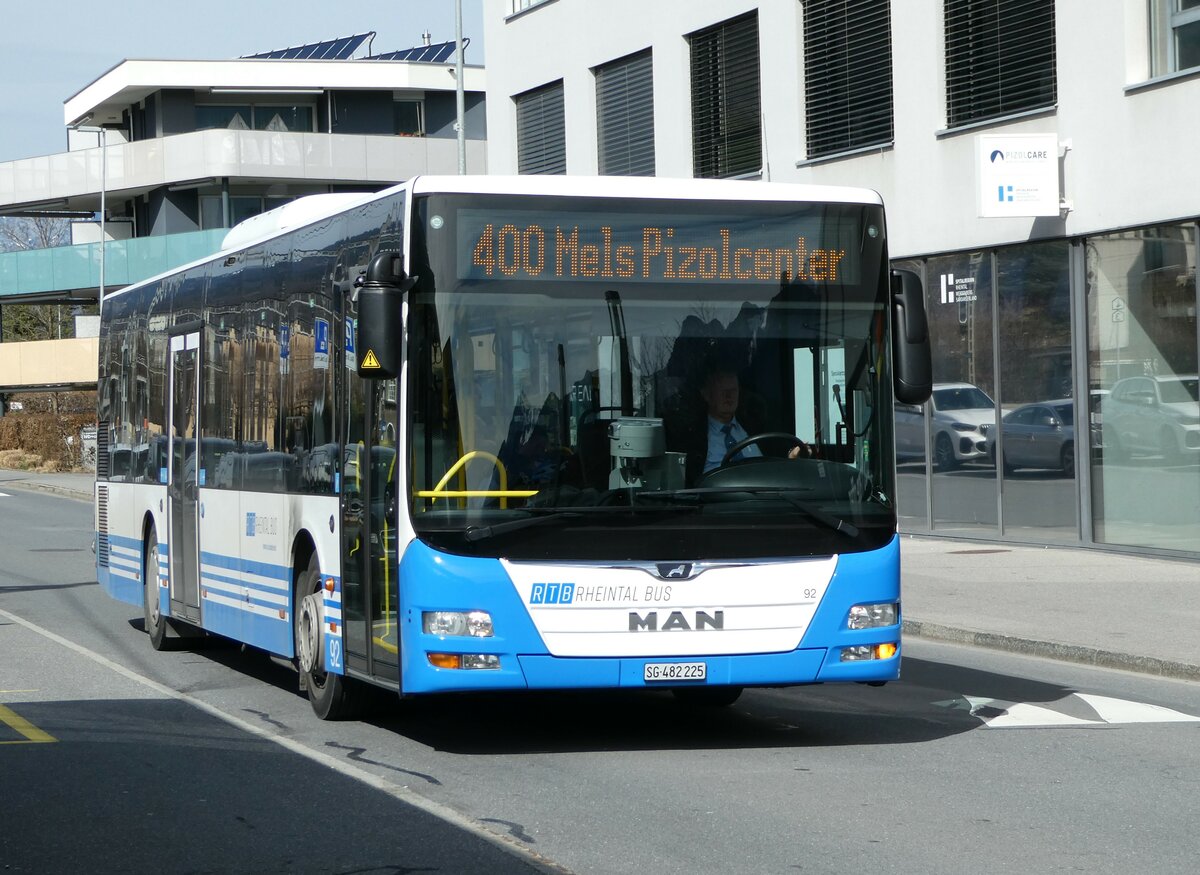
(156, 623)
(708, 697)
(332, 696)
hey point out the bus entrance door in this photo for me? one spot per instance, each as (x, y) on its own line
(183, 482)
(369, 510)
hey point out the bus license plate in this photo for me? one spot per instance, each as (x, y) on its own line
(675, 671)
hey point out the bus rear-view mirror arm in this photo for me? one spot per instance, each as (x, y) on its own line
(911, 358)
(380, 314)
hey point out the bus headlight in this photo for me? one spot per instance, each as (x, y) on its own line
(873, 616)
(445, 624)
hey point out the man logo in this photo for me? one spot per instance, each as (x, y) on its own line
(676, 621)
(675, 571)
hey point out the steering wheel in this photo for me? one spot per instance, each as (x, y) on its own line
(755, 438)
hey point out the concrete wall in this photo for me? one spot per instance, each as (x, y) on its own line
(1130, 142)
(49, 363)
(441, 111)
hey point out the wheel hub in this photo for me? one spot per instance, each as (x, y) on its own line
(308, 639)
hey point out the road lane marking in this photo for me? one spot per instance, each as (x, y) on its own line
(1121, 711)
(21, 726)
(396, 791)
(1003, 714)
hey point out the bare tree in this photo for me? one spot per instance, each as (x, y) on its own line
(32, 321)
(33, 232)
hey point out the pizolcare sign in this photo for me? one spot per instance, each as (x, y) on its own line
(1018, 175)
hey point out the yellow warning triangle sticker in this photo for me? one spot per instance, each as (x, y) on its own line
(370, 361)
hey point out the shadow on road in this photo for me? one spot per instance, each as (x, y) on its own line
(914, 710)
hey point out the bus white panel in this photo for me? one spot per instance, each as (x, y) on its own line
(629, 611)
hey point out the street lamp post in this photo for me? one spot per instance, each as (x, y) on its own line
(103, 206)
(102, 138)
(458, 90)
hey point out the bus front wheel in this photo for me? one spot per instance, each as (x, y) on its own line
(156, 623)
(332, 696)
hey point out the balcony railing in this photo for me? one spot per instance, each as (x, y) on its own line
(67, 268)
(200, 155)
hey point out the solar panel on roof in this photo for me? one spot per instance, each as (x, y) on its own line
(438, 53)
(340, 49)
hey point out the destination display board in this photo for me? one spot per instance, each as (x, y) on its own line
(641, 247)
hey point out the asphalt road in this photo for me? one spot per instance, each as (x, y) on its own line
(209, 760)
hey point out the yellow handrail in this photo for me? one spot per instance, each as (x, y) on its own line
(503, 493)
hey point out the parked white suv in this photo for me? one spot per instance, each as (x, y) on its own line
(962, 417)
(1154, 415)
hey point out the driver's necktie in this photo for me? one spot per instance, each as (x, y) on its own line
(730, 440)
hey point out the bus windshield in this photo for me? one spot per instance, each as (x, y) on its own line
(593, 379)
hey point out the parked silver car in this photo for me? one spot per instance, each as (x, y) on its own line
(1154, 415)
(1040, 435)
(962, 416)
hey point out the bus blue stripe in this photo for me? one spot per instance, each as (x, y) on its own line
(247, 566)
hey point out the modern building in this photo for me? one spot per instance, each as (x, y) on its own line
(1032, 157)
(167, 155)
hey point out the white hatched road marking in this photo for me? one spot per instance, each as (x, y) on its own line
(1121, 711)
(1002, 714)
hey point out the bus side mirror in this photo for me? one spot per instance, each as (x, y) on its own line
(380, 316)
(911, 358)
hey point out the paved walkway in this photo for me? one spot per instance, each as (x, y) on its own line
(1090, 606)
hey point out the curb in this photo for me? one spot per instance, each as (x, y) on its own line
(34, 486)
(1082, 654)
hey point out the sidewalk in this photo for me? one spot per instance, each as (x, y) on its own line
(1090, 606)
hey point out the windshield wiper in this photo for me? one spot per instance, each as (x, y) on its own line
(480, 533)
(787, 493)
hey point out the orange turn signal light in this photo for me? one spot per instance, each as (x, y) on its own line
(885, 651)
(445, 660)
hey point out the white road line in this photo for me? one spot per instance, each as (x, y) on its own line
(1002, 714)
(1121, 711)
(5, 495)
(404, 794)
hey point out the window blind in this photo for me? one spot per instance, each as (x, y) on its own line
(726, 121)
(1000, 57)
(847, 75)
(625, 116)
(541, 130)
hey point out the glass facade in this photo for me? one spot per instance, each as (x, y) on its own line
(1006, 449)
(1142, 364)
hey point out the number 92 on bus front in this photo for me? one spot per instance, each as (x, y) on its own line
(675, 671)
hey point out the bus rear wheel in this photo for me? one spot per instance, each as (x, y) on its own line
(332, 696)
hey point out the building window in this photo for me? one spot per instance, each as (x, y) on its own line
(847, 74)
(541, 130)
(726, 119)
(410, 118)
(241, 207)
(515, 6)
(1143, 356)
(625, 116)
(257, 117)
(1174, 35)
(1000, 58)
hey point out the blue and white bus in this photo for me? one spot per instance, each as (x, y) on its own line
(455, 436)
